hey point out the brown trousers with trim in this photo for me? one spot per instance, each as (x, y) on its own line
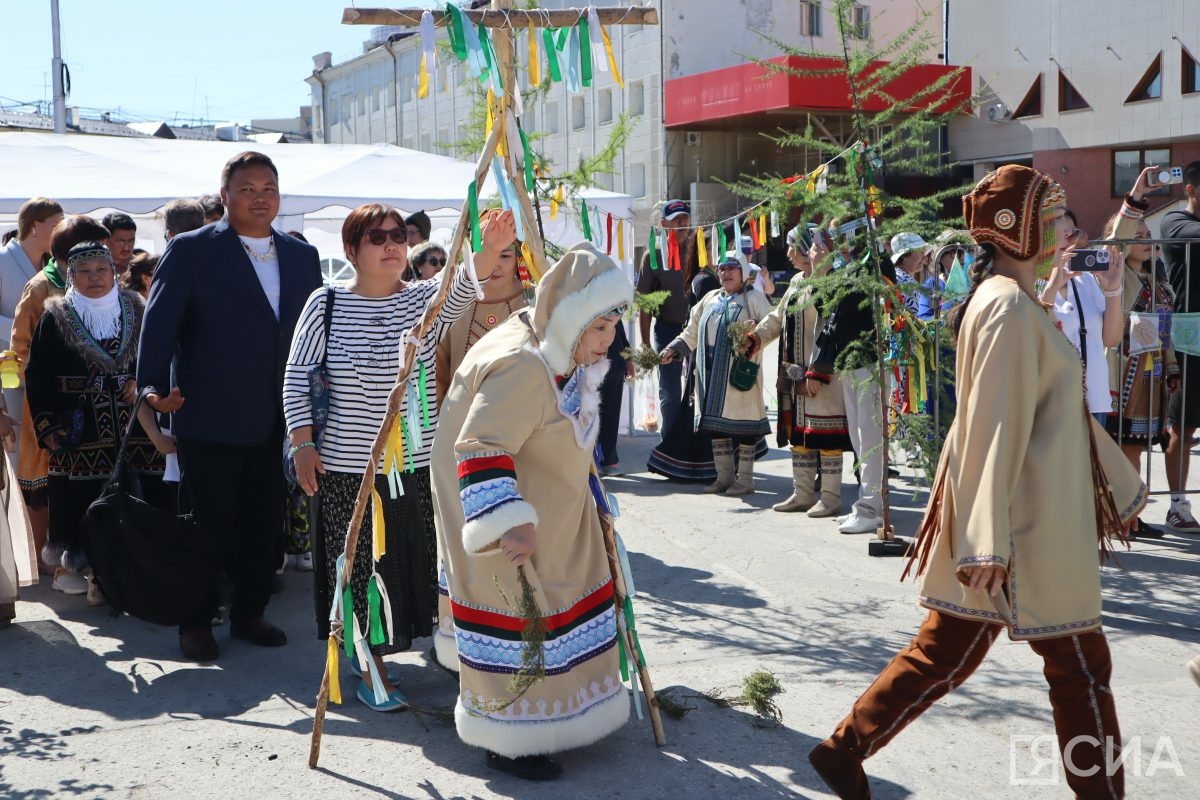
(944, 653)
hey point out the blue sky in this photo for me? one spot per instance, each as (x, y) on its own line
(229, 60)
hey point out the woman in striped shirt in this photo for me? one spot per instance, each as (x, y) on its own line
(372, 315)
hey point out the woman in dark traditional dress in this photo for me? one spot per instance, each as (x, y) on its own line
(81, 391)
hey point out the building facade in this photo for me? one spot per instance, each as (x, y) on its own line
(1088, 92)
(373, 97)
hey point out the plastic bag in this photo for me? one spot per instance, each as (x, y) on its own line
(645, 403)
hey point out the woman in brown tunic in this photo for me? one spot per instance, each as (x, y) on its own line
(1019, 512)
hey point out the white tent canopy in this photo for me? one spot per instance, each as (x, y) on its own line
(138, 176)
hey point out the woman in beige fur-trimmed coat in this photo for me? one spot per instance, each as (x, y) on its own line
(511, 460)
(732, 417)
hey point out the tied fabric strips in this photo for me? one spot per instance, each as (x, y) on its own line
(612, 60)
(652, 249)
(378, 529)
(584, 218)
(473, 205)
(585, 52)
(608, 231)
(573, 62)
(428, 53)
(701, 248)
(535, 72)
(621, 240)
(676, 262)
(551, 55)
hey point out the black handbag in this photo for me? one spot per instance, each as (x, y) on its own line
(149, 562)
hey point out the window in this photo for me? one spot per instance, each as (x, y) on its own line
(637, 180)
(810, 18)
(550, 114)
(604, 180)
(1128, 164)
(347, 107)
(637, 98)
(362, 104)
(1031, 103)
(1191, 73)
(426, 143)
(1150, 86)
(407, 89)
(1069, 98)
(391, 94)
(444, 137)
(604, 101)
(860, 21)
(578, 113)
(376, 97)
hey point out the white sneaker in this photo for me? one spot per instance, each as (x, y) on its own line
(304, 562)
(69, 582)
(859, 524)
(1194, 669)
(844, 518)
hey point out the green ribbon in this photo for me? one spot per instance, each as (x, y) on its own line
(622, 658)
(377, 635)
(722, 245)
(633, 630)
(551, 55)
(406, 435)
(348, 621)
(424, 394)
(489, 56)
(529, 180)
(458, 39)
(473, 206)
(560, 38)
(585, 53)
(652, 249)
(583, 215)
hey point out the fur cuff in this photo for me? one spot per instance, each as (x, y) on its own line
(482, 533)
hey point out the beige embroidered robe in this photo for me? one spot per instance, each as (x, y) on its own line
(1017, 476)
(512, 448)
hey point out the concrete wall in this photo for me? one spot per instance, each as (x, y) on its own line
(1103, 47)
(702, 36)
(375, 97)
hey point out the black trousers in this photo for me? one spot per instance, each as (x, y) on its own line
(612, 390)
(237, 493)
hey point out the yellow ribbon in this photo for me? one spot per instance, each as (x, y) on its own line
(423, 80)
(331, 667)
(612, 60)
(811, 186)
(535, 68)
(556, 201)
(620, 241)
(701, 247)
(529, 265)
(378, 536)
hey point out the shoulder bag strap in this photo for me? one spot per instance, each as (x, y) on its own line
(1082, 328)
(119, 464)
(327, 323)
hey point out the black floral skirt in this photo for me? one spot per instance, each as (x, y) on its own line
(407, 568)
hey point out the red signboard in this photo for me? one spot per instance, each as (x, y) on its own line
(750, 89)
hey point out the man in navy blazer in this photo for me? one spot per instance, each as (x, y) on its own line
(216, 334)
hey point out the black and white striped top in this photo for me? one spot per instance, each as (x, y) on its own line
(365, 339)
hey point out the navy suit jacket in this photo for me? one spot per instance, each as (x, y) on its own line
(209, 325)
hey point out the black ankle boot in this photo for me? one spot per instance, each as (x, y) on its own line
(530, 768)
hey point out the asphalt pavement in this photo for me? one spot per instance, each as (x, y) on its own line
(97, 707)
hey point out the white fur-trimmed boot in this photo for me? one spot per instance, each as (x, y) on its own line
(804, 476)
(830, 504)
(744, 484)
(723, 461)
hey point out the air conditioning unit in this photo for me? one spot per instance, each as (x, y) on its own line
(693, 138)
(995, 112)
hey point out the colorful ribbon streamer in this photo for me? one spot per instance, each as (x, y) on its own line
(701, 248)
(652, 250)
(551, 55)
(621, 240)
(586, 223)
(473, 205)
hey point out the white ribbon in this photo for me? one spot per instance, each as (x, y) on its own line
(469, 266)
(599, 54)
(429, 43)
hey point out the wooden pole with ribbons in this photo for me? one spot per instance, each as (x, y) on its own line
(505, 132)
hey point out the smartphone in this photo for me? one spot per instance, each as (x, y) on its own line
(1090, 260)
(1165, 177)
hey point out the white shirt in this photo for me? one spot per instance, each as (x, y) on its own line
(1091, 297)
(266, 269)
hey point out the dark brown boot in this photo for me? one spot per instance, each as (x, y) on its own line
(198, 644)
(841, 770)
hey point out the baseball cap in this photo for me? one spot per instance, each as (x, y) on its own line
(674, 208)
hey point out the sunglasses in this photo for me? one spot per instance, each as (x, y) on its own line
(378, 236)
(434, 262)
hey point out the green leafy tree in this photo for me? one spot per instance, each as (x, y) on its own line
(867, 154)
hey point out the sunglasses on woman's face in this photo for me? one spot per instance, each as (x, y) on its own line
(378, 236)
(434, 261)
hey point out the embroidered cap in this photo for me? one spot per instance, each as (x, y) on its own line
(88, 251)
(1004, 209)
(675, 208)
